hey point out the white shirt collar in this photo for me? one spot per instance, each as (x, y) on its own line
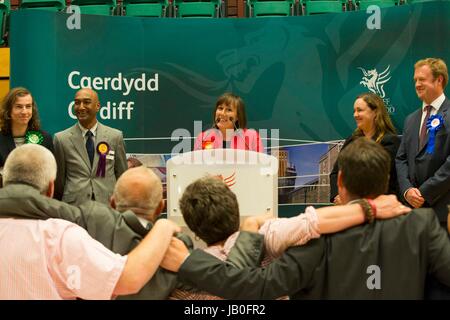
(436, 104)
(143, 221)
(84, 130)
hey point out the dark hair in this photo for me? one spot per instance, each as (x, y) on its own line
(210, 209)
(364, 167)
(134, 162)
(7, 105)
(383, 123)
(229, 99)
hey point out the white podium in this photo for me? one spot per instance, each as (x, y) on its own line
(252, 176)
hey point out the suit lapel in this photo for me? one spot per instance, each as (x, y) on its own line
(442, 111)
(133, 222)
(79, 144)
(100, 136)
(415, 131)
(444, 108)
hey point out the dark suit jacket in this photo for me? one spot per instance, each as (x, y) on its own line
(7, 145)
(119, 232)
(390, 143)
(336, 266)
(430, 173)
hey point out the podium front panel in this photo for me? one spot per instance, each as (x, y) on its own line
(252, 176)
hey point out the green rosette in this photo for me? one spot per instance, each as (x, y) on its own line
(34, 137)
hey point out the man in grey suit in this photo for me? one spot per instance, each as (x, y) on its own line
(423, 158)
(383, 259)
(90, 156)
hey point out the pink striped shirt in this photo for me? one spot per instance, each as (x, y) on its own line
(279, 234)
(54, 259)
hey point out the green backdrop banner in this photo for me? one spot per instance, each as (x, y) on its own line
(296, 74)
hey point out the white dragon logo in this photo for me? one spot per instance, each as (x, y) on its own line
(375, 81)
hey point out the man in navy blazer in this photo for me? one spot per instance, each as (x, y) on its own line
(424, 174)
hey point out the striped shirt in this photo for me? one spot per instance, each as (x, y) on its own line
(54, 259)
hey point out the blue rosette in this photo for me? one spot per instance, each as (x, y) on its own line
(434, 123)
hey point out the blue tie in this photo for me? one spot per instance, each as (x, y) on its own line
(90, 146)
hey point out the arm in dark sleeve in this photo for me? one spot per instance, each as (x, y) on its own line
(248, 250)
(163, 282)
(401, 163)
(438, 250)
(391, 143)
(121, 158)
(48, 142)
(438, 184)
(284, 276)
(30, 204)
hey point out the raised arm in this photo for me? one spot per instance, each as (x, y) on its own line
(282, 233)
(285, 276)
(337, 218)
(144, 260)
(27, 203)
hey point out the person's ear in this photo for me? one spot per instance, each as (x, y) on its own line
(50, 189)
(159, 209)
(339, 180)
(112, 202)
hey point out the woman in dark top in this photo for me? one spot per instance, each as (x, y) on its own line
(19, 123)
(372, 122)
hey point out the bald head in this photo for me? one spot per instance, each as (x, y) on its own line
(88, 91)
(139, 190)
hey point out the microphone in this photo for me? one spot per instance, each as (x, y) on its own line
(231, 119)
(240, 132)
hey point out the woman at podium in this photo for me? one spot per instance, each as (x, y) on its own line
(230, 127)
